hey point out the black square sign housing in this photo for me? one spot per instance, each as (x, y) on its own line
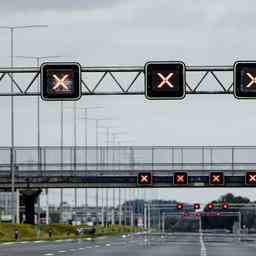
(216, 178)
(165, 80)
(144, 179)
(245, 79)
(250, 178)
(60, 81)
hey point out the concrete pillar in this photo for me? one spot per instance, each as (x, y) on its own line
(18, 206)
(29, 199)
(113, 217)
(47, 206)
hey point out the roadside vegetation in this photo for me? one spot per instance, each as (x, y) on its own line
(57, 232)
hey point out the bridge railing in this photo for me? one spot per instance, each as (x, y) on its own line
(83, 159)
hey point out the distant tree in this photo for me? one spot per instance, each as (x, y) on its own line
(227, 222)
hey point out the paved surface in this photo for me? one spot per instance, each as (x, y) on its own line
(138, 245)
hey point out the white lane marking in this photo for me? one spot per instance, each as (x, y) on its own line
(49, 254)
(24, 242)
(8, 243)
(39, 241)
(203, 248)
(88, 247)
(108, 245)
(62, 251)
(58, 241)
(97, 246)
(81, 248)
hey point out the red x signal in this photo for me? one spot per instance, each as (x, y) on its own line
(252, 80)
(61, 82)
(165, 80)
(251, 178)
(216, 178)
(144, 179)
(180, 178)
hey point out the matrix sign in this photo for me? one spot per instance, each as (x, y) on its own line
(60, 81)
(144, 179)
(250, 178)
(216, 178)
(245, 80)
(165, 80)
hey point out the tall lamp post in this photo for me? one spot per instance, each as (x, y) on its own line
(12, 29)
(38, 59)
(85, 118)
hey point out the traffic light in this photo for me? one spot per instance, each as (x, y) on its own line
(225, 206)
(196, 206)
(180, 178)
(250, 178)
(60, 81)
(144, 179)
(210, 206)
(245, 79)
(165, 80)
(216, 178)
(179, 206)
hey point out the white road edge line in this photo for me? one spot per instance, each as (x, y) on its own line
(203, 248)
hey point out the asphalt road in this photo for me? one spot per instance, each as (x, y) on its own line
(137, 245)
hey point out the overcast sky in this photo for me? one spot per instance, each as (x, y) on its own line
(112, 32)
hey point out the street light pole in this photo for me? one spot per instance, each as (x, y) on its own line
(12, 29)
(85, 109)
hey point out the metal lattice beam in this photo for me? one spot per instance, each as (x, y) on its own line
(113, 73)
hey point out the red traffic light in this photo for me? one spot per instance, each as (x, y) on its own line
(196, 206)
(225, 206)
(210, 206)
(179, 206)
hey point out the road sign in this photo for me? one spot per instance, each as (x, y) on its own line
(216, 178)
(250, 178)
(180, 178)
(144, 179)
(245, 79)
(165, 80)
(60, 81)
(196, 206)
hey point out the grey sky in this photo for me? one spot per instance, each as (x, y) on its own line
(130, 33)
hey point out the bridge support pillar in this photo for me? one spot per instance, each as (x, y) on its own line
(29, 199)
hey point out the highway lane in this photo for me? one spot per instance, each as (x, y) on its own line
(137, 245)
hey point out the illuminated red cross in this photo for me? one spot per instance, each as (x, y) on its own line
(165, 80)
(253, 80)
(252, 178)
(144, 179)
(60, 82)
(180, 178)
(216, 178)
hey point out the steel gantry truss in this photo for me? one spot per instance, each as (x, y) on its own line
(115, 73)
